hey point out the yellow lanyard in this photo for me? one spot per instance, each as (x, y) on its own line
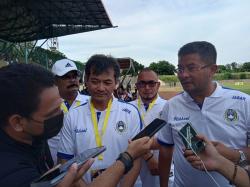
(149, 107)
(98, 136)
(65, 109)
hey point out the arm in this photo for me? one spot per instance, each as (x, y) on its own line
(165, 158)
(130, 178)
(111, 176)
(152, 163)
(213, 161)
(226, 168)
(231, 154)
(74, 174)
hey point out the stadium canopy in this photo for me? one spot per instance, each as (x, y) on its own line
(28, 20)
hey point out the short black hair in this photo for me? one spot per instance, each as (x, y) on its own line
(204, 49)
(100, 63)
(21, 86)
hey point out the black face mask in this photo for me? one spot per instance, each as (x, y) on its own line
(52, 127)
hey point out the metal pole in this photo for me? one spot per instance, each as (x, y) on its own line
(26, 53)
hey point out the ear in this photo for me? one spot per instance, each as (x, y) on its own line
(214, 68)
(117, 83)
(16, 122)
(159, 83)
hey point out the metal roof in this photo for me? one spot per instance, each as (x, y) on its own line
(27, 20)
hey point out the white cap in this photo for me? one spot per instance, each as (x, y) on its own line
(61, 67)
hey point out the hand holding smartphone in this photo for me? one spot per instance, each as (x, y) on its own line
(56, 174)
(151, 129)
(188, 136)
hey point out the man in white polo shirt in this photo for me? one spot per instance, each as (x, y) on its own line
(67, 80)
(150, 106)
(220, 114)
(103, 120)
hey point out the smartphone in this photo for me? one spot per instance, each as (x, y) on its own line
(56, 174)
(151, 129)
(188, 136)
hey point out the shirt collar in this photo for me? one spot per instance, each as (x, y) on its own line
(113, 106)
(158, 100)
(218, 92)
(81, 97)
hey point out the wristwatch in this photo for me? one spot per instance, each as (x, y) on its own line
(243, 159)
(127, 160)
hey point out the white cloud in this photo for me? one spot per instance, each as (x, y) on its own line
(152, 30)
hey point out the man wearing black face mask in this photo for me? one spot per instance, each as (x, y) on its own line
(30, 116)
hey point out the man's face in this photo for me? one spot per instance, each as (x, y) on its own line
(101, 87)
(194, 74)
(49, 106)
(147, 85)
(68, 84)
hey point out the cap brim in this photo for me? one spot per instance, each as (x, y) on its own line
(66, 71)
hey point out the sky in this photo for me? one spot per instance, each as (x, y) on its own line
(153, 30)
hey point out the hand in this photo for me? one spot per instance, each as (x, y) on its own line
(230, 154)
(210, 156)
(153, 166)
(74, 174)
(138, 148)
(152, 163)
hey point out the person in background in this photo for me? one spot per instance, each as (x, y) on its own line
(122, 94)
(103, 120)
(67, 79)
(150, 106)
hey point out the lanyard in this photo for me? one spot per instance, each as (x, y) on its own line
(65, 106)
(98, 136)
(149, 107)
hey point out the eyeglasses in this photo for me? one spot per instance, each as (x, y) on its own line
(143, 84)
(191, 68)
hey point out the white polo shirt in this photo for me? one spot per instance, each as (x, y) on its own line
(53, 142)
(223, 117)
(78, 135)
(147, 179)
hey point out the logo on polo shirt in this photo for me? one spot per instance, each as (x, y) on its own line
(181, 118)
(231, 115)
(80, 130)
(68, 65)
(121, 127)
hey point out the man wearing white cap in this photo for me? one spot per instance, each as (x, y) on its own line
(67, 79)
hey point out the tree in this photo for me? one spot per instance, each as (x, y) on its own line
(162, 67)
(138, 67)
(221, 69)
(246, 66)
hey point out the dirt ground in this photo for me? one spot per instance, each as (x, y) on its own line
(168, 94)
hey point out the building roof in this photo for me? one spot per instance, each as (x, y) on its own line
(27, 20)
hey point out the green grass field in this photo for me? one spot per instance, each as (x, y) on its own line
(237, 85)
(242, 85)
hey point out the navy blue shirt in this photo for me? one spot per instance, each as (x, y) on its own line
(22, 163)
